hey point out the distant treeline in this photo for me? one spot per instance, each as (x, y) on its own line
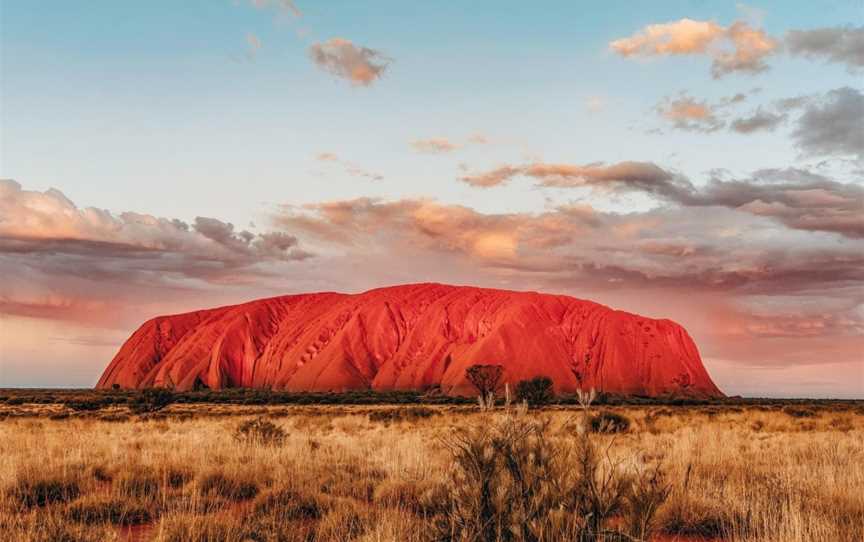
(82, 399)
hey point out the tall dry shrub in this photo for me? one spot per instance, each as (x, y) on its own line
(648, 491)
(503, 482)
(513, 481)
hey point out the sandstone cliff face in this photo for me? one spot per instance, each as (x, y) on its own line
(411, 337)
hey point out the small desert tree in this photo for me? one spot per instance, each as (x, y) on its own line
(485, 377)
(536, 392)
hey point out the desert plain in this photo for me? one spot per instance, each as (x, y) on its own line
(96, 466)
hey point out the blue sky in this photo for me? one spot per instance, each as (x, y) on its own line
(169, 109)
(119, 100)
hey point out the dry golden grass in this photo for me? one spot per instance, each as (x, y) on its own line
(734, 473)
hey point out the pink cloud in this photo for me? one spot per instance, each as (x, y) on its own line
(683, 37)
(359, 65)
(434, 145)
(736, 48)
(750, 289)
(62, 262)
(788, 196)
(687, 113)
(350, 168)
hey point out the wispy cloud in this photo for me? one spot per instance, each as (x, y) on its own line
(435, 145)
(494, 177)
(359, 65)
(350, 168)
(760, 120)
(595, 104)
(443, 145)
(253, 45)
(285, 6)
(646, 175)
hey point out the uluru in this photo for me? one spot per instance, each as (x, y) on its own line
(418, 336)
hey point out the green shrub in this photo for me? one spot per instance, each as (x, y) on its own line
(799, 412)
(536, 391)
(401, 414)
(87, 405)
(151, 400)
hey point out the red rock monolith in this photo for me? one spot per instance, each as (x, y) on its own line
(417, 336)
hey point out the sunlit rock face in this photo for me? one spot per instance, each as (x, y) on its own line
(417, 336)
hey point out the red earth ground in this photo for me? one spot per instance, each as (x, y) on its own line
(417, 336)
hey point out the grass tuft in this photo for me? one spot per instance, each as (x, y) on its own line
(100, 509)
(33, 490)
(609, 422)
(291, 504)
(218, 484)
(260, 431)
(138, 482)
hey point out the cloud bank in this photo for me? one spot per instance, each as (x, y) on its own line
(798, 198)
(763, 267)
(62, 261)
(721, 261)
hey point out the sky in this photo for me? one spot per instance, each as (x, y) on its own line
(693, 160)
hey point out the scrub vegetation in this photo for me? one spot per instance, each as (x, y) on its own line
(189, 471)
